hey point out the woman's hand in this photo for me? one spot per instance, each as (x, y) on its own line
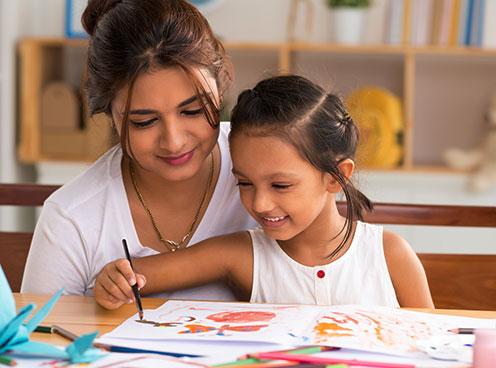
(113, 285)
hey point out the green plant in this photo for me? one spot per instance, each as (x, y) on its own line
(348, 3)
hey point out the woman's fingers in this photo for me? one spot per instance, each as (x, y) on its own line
(141, 279)
(113, 284)
(104, 297)
(123, 277)
(106, 300)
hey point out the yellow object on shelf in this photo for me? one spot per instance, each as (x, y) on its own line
(378, 115)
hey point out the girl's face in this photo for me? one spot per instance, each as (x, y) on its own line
(168, 131)
(282, 191)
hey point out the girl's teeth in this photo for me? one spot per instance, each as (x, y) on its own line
(274, 219)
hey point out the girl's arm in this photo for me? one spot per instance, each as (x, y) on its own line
(227, 258)
(407, 273)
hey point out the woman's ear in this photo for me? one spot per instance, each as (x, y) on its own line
(346, 167)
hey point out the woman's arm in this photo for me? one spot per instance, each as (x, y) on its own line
(57, 256)
(407, 273)
(227, 258)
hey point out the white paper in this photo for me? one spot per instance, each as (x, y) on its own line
(214, 321)
(222, 352)
(114, 360)
(212, 326)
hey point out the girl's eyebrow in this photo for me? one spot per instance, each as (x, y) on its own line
(151, 111)
(236, 172)
(270, 176)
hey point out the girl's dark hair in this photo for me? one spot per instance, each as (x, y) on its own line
(130, 37)
(313, 121)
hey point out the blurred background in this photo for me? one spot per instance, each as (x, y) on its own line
(419, 78)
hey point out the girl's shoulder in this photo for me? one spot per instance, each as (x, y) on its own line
(92, 183)
(395, 246)
(373, 234)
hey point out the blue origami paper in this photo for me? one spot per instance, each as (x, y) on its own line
(14, 333)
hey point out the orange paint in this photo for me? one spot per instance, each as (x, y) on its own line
(194, 328)
(331, 329)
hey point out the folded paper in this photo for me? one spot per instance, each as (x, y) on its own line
(15, 331)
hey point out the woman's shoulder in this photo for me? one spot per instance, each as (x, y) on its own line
(224, 129)
(91, 183)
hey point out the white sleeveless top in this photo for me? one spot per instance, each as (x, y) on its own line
(360, 276)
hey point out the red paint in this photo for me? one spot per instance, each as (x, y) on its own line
(320, 274)
(241, 317)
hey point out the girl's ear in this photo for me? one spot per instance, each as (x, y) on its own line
(346, 167)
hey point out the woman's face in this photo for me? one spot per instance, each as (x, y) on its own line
(169, 134)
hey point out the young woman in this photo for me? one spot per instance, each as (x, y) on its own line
(292, 146)
(156, 69)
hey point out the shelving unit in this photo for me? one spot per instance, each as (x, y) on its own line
(444, 91)
(41, 62)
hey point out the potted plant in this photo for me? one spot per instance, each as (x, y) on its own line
(347, 20)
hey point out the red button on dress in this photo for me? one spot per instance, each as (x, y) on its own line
(320, 274)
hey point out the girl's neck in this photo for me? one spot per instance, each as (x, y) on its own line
(313, 246)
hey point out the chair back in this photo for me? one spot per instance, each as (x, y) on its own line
(459, 281)
(456, 281)
(14, 246)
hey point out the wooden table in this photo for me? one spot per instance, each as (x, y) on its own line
(81, 314)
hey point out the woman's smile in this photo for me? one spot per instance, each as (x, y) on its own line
(180, 159)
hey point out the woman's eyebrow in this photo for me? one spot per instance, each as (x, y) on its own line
(194, 98)
(142, 112)
(188, 101)
(151, 111)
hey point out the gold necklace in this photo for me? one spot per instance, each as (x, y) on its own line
(171, 244)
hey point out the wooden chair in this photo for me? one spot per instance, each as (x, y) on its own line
(456, 281)
(14, 246)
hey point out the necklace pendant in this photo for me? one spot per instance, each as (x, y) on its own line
(173, 245)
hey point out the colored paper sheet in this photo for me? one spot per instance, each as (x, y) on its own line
(374, 329)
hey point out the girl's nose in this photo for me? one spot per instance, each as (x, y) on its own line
(262, 202)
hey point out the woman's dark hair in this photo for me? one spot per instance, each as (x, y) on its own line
(313, 121)
(130, 37)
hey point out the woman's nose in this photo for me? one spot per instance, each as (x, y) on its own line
(173, 137)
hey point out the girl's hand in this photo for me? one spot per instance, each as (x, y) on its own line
(113, 284)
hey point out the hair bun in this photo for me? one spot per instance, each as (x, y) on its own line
(94, 11)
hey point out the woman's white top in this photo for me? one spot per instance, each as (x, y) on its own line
(82, 225)
(360, 276)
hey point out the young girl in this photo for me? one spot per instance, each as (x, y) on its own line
(292, 146)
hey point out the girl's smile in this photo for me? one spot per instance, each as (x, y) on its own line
(274, 222)
(281, 190)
